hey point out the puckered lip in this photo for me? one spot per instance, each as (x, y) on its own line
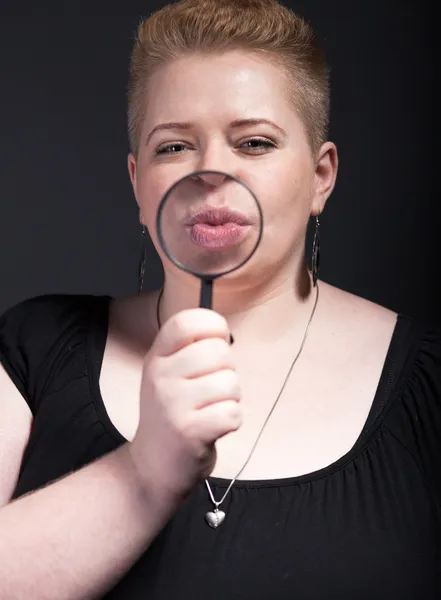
(213, 215)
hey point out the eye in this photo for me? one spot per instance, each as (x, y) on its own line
(174, 148)
(258, 145)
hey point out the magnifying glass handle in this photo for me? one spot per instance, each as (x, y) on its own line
(206, 299)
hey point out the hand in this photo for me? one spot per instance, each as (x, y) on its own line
(189, 398)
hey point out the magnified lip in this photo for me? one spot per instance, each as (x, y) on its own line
(217, 228)
(210, 215)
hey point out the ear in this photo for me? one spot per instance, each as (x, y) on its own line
(131, 164)
(326, 167)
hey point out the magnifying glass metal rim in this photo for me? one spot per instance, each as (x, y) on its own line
(161, 237)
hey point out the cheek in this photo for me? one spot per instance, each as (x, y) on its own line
(150, 191)
(284, 190)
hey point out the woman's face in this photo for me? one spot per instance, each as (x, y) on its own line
(230, 112)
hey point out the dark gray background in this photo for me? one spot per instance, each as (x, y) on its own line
(68, 220)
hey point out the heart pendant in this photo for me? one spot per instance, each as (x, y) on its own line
(214, 519)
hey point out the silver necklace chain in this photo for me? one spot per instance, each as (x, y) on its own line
(215, 518)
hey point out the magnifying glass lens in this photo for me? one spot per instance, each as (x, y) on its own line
(209, 224)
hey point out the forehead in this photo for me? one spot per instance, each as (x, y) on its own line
(206, 86)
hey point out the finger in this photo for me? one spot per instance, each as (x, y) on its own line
(209, 389)
(216, 420)
(201, 358)
(189, 326)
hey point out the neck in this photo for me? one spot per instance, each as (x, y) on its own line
(259, 312)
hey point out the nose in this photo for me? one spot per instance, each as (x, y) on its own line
(216, 160)
(212, 178)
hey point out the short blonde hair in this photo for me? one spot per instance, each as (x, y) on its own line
(263, 27)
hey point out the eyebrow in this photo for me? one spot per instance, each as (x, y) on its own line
(234, 125)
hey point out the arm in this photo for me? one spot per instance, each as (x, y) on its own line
(76, 537)
(15, 427)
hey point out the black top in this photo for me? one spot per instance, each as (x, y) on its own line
(367, 526)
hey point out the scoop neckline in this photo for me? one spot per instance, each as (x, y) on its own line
(96, 342)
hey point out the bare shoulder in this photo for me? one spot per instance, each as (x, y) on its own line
(355, 308)
(132, 320)
(355, 322)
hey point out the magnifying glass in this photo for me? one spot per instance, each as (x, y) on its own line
(209, 223)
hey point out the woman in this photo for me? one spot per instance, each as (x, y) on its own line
(143, 455)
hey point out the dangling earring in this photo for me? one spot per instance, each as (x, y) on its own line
(316, 252)
(141, 270)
